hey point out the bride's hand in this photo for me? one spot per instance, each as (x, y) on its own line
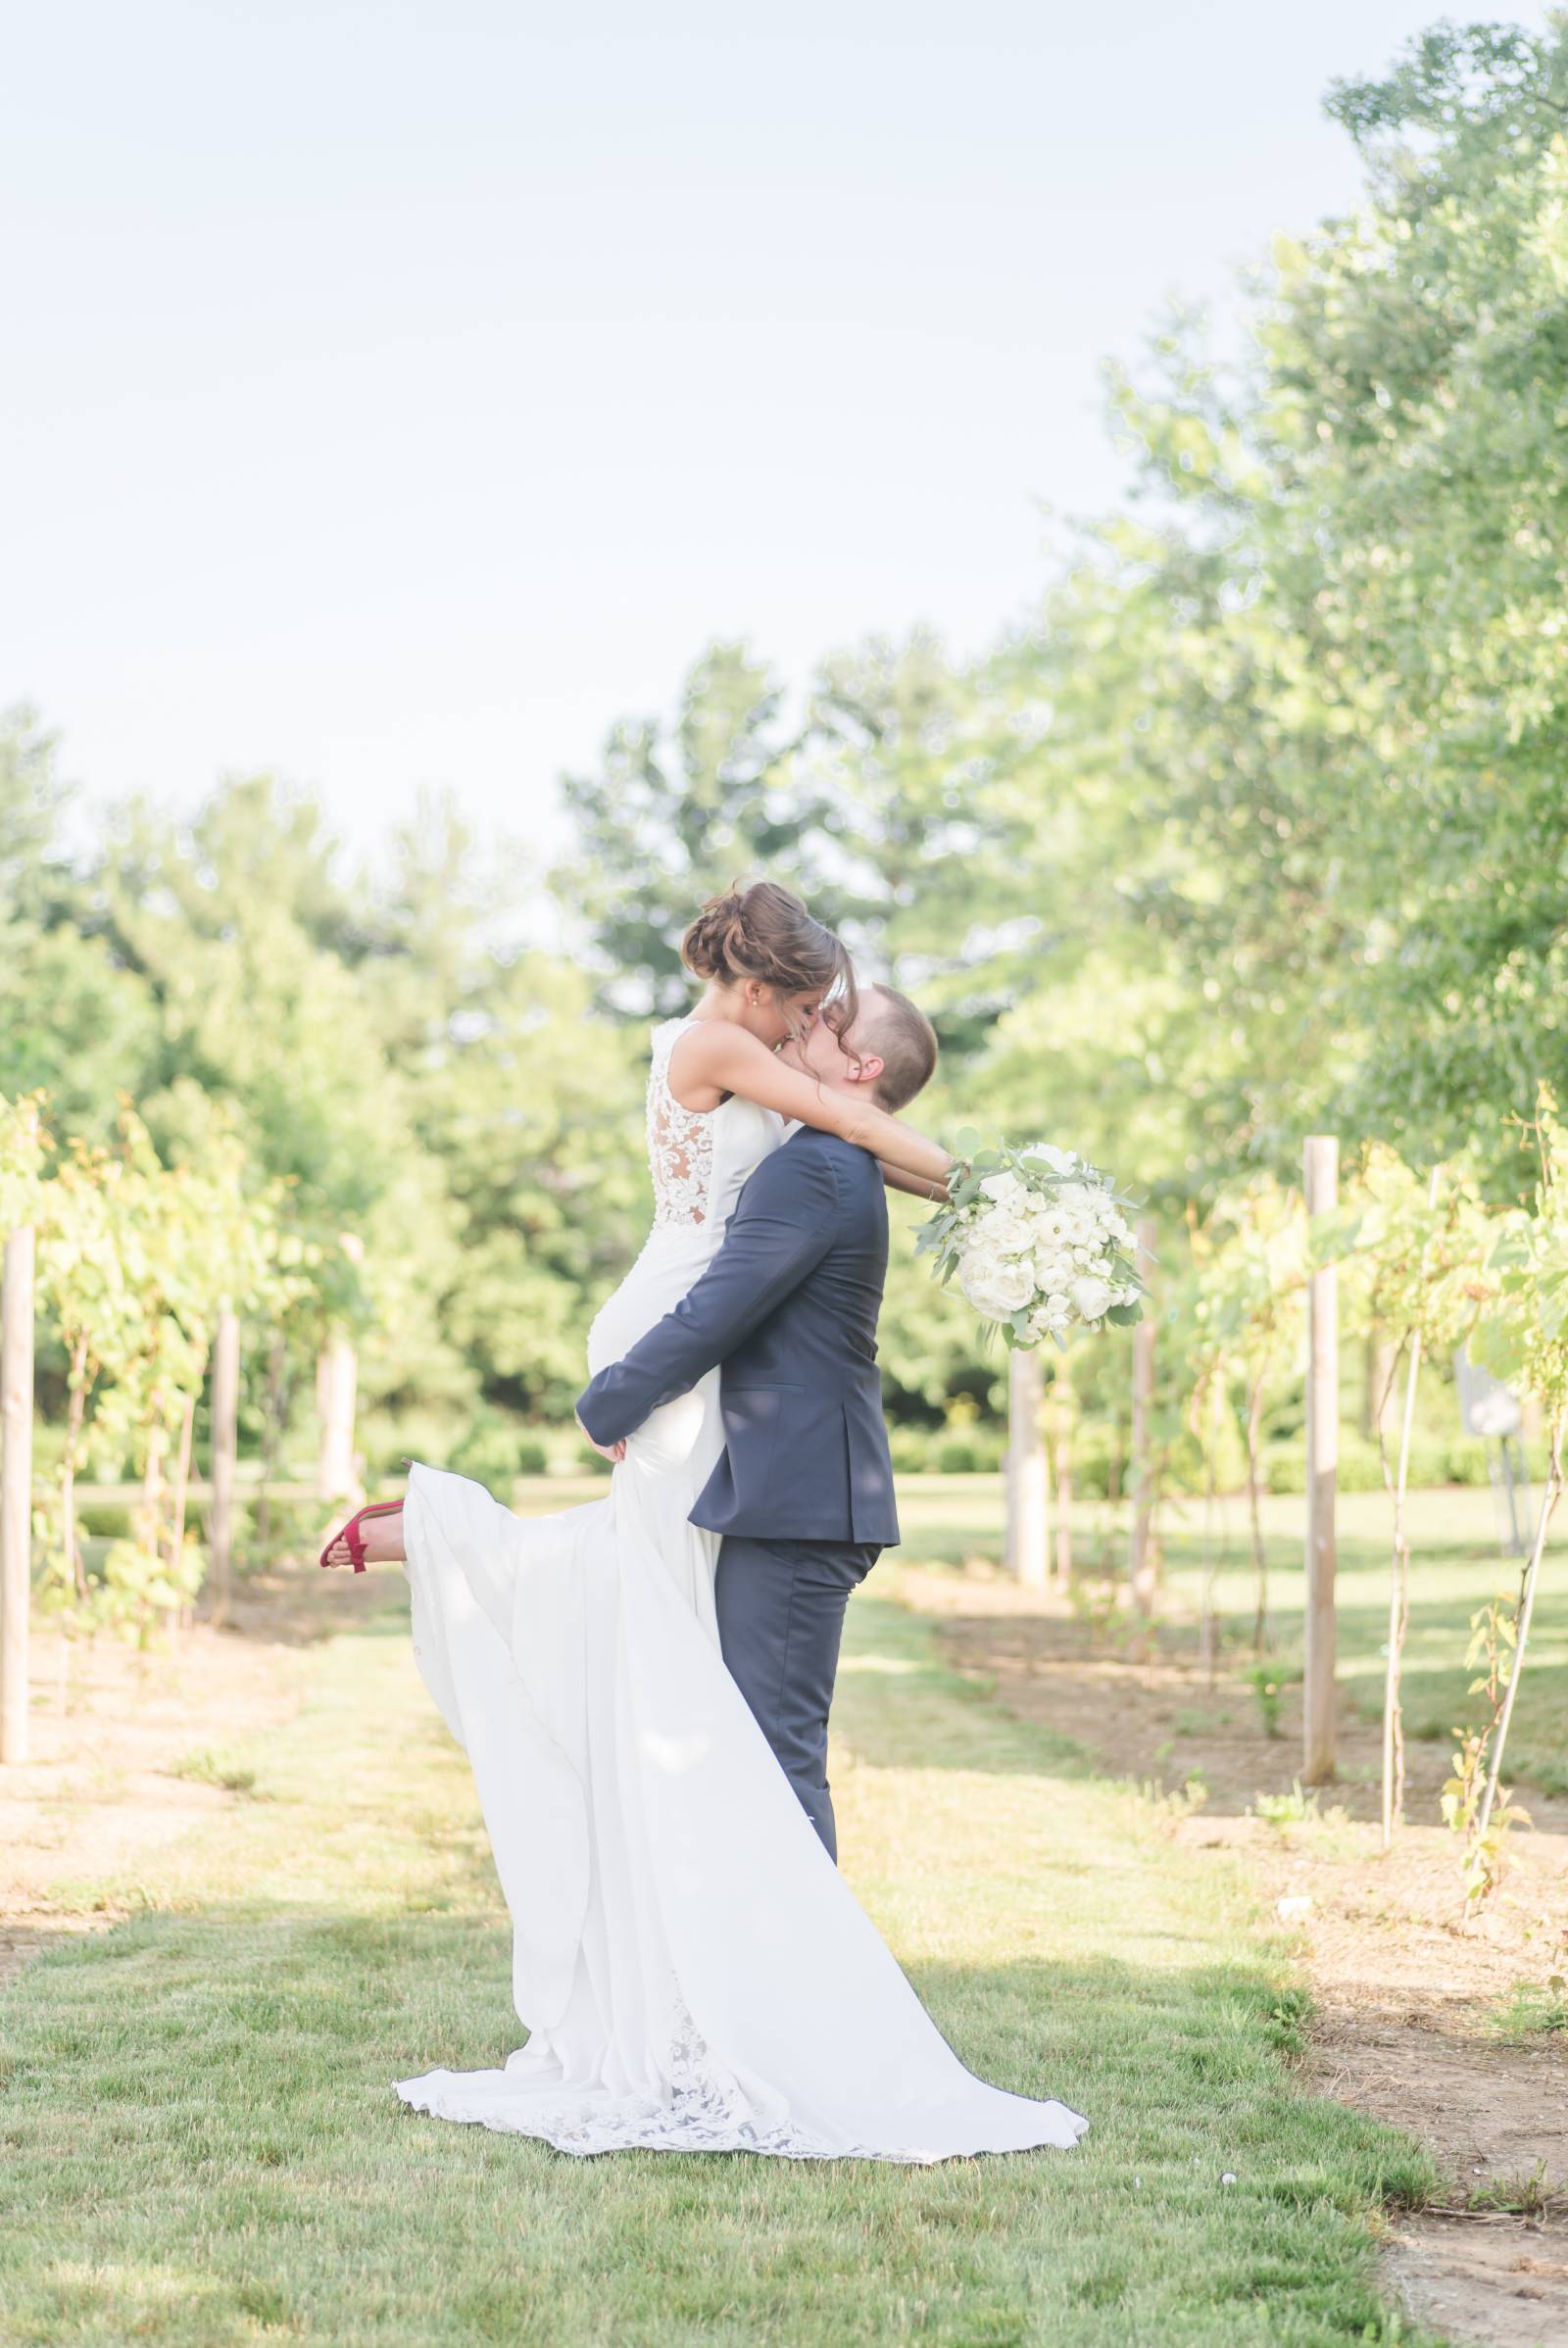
(616, 1452)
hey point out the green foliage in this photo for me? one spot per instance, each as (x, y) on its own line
(207, 1766)
(881, 809)
(134, 1261)
(1495, 1643)
(1355, 669)
(1235, 1304)
(1414, 1250)
(1255, 825)
(1532, 2009)
(22, 1159)
(1434, 1459)
(1268, 1684)
(1298, 1808)
(1524, 1340)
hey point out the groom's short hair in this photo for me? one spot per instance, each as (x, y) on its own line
(905, 1039)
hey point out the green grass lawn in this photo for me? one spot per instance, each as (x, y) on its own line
(201, 2146)
(1455, 1568)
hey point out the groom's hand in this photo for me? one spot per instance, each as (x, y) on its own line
(616, 1452)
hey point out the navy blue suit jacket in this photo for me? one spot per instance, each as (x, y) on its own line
(789, 1308)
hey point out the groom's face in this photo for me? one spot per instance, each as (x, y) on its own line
(822, 1053)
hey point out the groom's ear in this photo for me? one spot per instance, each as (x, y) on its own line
(868, 1068)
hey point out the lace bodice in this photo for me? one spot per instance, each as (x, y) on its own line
(700, 1157)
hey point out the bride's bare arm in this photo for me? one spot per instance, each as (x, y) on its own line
(718, 1053)
(915, 1184)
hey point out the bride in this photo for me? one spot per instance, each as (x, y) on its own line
(693, 1972)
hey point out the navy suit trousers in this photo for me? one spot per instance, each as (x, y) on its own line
(780, 1618)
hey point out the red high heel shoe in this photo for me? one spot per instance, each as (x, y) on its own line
(350, 1532)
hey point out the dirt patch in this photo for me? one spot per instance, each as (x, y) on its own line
(1420, 2018)
(112, 1736)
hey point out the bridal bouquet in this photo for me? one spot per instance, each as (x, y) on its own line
(1037, 1238)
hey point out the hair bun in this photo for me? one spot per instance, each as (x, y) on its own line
(764, 931)
(716, 944)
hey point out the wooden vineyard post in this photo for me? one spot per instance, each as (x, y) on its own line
(1141, 1562)
(15, 1488)
(1063, 1413)
(1028, 1531)
(336, 1377)
(225, 1447)
(1320, 1173)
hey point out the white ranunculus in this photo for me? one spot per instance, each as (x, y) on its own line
(1092, 1295)
(1004, 1185)
(1050, 1317)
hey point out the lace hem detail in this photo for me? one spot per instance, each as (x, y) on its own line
(637, 2123)
(680, 1141)
(575, 2124)
(705, 2109)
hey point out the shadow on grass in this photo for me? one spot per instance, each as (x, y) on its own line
(200, 2129)
(238, 2019)
(201, 2138)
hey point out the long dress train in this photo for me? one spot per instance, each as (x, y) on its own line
(694, 1973)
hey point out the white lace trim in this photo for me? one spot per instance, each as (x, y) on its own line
(636, 2123)
(680, 1141)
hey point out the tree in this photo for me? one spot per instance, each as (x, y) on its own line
(1417, 1244)
(674, 815)
(1363, 580)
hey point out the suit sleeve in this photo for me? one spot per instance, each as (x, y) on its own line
(782, 1227)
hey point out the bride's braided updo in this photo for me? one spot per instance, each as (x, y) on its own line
(765, 933)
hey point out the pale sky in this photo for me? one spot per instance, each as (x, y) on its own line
(396, 394)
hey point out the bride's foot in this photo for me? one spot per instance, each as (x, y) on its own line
(372, 1535)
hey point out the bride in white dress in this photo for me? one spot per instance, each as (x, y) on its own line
(694, 1973)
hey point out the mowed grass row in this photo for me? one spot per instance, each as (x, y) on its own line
(202, 2144)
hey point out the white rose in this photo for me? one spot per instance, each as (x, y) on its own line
(1004, 1185)
(1059, 1161)
(997, 1290)
(1004, 1230)
(1092, 1295)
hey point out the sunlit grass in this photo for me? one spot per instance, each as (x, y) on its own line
(202, 2146)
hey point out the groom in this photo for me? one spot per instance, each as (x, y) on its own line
(803, 1493)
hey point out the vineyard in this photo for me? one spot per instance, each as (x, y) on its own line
(1202, 1748)
(146, 1281)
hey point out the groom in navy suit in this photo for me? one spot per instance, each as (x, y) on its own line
(803, 1493)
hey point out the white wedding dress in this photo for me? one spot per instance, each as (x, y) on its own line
(693, 1970)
